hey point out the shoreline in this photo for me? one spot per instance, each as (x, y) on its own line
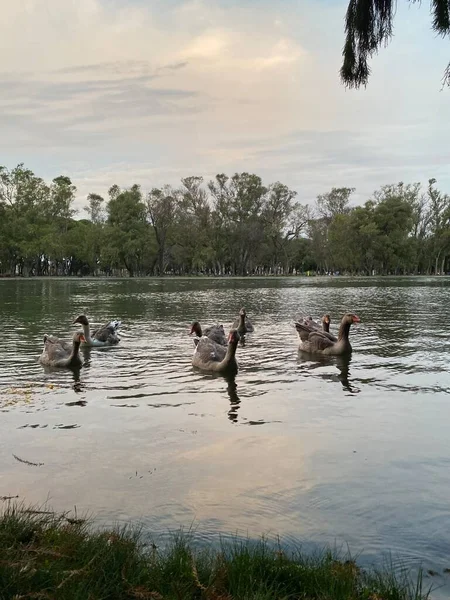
(49, 555)
(209, 277)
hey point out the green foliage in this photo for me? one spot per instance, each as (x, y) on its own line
(400, 231)
(238, 202)
(95, 208)
(228, 226)
(54, 556)
(163, 206)
(126, 231)
(37, 219)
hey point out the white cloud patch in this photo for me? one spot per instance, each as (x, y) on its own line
(148, 92)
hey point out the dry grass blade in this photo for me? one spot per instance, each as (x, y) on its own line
(195, 576)
(76, 572)
(142, 594)
(33, 596)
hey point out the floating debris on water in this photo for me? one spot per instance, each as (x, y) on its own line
(27, 462)
(77, 403)
(24, 395)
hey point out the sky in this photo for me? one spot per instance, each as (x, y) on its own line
(150, 91)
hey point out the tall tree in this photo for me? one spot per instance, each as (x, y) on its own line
(283, 220)
(439, 225)
(328, 207)
(336, 202)
(195, 226)
(238, 202)
(26, 199)
(93, 233)
(127, 229)
(393, 216)
(162, 207)
(95, 208)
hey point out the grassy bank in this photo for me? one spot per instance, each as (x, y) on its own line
(47, 556)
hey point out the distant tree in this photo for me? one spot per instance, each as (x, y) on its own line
(369, 25)
(162, 207)
(238, 202)
(95, 208)
(334, 203)
(194, 226)
(393, 217)
(93, 233)
(283, 220)
(328, 207)
(127, 230)
(439, 226)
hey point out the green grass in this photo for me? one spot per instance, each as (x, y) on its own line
(47, 556)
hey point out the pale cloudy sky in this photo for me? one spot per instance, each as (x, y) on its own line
(149, 91)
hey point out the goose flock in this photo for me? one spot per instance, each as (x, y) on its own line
(59, 353)
(214, 350)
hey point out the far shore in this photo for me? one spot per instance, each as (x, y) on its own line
(206, 277)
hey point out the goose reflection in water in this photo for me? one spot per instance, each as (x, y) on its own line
(75, 371)
(342, 364)
(234, 400)
(77, 385)
(76, 380)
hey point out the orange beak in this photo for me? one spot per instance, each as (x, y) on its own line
(356, 319)
(82, 338)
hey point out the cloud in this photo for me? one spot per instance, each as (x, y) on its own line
(152, 91)
(89, 102)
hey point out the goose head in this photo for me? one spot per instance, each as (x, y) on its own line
(78, 337)
(196, 328)
(351, 318)
(82, 320)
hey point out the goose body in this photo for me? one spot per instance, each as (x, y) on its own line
(243, 323)
(59, 342)
(317, 342)
(209, 356)
(106, 335)
(307, 326)
(58, 353)
(216, 333)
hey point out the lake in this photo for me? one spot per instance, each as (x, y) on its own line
(317, 451)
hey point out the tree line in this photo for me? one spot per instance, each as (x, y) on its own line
(228, 226)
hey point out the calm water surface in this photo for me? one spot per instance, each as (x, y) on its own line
(318, 451)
